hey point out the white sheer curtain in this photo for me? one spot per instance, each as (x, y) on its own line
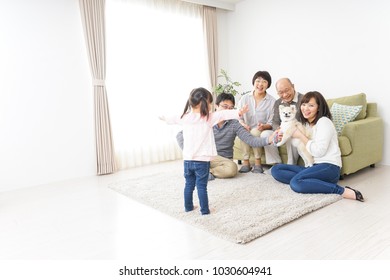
(155, 56)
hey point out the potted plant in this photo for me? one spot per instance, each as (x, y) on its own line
(228, 86)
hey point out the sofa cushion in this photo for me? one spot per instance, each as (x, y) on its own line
(352, 100)
(343, 114)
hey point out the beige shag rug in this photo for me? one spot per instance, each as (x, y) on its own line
(242, 208)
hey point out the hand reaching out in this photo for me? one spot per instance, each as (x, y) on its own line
(243, 110)
(275, 137)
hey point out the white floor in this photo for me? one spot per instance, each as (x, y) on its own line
(85, 220)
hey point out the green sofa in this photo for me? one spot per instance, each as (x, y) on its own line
(360, 141)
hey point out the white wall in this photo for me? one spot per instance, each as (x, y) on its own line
(46, 103)
(336, 47)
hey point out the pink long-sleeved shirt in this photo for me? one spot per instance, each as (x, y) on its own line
(199, 143)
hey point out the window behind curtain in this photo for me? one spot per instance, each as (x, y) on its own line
(155, 56)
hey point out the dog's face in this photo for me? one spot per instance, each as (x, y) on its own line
(287, 113)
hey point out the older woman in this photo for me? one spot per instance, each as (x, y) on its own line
(258, 121)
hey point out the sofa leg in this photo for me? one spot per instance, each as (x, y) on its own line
(239, 162)
(372, 165)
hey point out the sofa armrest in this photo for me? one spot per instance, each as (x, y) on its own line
(366, 137)
(372, 110)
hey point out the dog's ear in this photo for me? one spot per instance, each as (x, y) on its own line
(281, 108)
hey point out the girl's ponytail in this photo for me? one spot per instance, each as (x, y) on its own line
(199, 96)
(186, 108)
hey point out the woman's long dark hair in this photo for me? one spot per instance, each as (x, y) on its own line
(199, 96)
(323, 108)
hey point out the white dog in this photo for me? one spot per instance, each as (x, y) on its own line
(288, 125)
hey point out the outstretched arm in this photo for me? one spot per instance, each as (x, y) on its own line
(251, 140)
(171, 119)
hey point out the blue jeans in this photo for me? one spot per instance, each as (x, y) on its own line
(196, 174)
(319, 178)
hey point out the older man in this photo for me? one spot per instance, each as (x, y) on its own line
(287, 96)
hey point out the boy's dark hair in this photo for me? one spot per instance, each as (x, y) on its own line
(225, 96)
(323, 108)
(263, 74)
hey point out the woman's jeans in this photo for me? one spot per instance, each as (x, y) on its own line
(319, 178)
(196, 174)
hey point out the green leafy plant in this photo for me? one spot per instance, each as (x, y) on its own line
(228, 86)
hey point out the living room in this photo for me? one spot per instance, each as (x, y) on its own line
(339, 48)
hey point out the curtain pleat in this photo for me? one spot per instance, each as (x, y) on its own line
(211, 39)
(92, 15)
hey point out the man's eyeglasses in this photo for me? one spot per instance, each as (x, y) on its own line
(226, 107)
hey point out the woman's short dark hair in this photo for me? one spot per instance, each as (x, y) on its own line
(263, 74)
(225, 96)
(323, 108)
